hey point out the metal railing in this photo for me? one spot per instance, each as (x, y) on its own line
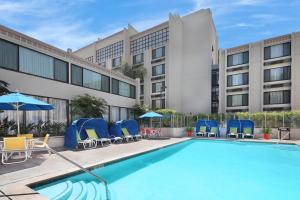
(101, 180)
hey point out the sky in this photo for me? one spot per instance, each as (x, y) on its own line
(76, 23)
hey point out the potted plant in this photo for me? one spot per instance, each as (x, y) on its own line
(266, 133)
(189, 131)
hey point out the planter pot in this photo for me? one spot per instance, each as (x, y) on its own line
(189, 133)
(266, 136)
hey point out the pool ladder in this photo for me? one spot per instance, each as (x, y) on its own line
(101, 180)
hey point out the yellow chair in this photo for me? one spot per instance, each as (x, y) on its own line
(29, 137)
(14, 145)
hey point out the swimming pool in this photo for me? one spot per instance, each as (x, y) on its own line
(197, 169)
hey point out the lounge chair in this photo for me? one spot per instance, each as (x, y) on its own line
(247, 132)
(233, 132)
(87, 143)
(93, 136)
(126, 136)
(14, 145)
(202, 131)
(41, 145)
(213, 132)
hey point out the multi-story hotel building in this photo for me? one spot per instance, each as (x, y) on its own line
(261, 76)
(56, 76)
(178, 54)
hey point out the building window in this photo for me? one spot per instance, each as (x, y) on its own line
(158, 53)
(277, 74)
(238, 59)
(123, 114)
(215, 77)
(158, 104)
(102, 64)
(123, 89)
(77, 75)
(138, 59)
(158, 87)
(110, 51)
(237, 79)
(116, 62)
(237, 100)
(151, 40)
(61, 70)
(36, 63)
(60, 113)
(158, 70)
(8, 55)
(277, 51)
(114, 113)
(91, 80)
(142, 89)
(277, 97)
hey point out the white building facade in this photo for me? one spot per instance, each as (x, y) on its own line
(178, 55)
(50, 74)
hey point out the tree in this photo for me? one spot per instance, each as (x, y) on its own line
(88, 106)
(139, 109)
(133, 72)
(3, 88)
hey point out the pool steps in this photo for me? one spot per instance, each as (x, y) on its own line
(80, 190)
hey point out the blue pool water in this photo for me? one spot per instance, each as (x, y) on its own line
(210, 170)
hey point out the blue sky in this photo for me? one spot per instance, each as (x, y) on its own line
(75, 23)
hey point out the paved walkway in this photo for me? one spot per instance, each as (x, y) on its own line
(14, 178)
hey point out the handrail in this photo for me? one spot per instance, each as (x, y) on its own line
(85, 170)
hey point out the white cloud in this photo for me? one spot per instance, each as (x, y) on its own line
(250, 2)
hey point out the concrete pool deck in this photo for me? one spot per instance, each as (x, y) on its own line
(15, 178)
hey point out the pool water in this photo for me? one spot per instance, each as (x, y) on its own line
(197, 169)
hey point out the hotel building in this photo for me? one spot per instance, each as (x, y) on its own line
(178, 54)
(56, 76)
(261, 76)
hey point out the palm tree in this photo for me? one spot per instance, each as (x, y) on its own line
(3, 87)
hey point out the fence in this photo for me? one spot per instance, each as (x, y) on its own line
(261, 119)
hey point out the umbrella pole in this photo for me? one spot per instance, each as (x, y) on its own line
(18, 120)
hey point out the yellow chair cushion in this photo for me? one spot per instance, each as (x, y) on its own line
(125, 132)
(92, 134)
(202, 129)
(27, 136)
(14, 143)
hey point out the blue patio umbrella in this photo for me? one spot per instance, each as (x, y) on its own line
(17, 101)
(151, 115)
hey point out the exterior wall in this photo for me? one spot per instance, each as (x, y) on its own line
(222, 81)
(198, 60)
(124, 35)
(256, 72)
(295, 101)
(39, 86)
(257, 65)
(191, 51)
(175, 59)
